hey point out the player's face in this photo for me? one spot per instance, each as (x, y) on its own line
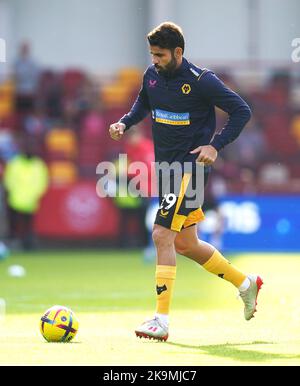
(163, 59)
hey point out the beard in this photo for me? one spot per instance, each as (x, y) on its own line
(169, 68)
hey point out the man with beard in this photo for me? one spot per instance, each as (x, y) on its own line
(182, 98)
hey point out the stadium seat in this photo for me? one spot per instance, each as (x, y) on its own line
(6, 108)
(115, 95)
(92, 143)
(130, 76)
(72, 80)
(276, 128)
(295, 128)
(121, 92)
(61, 143)
(7, 90)
(9, 122)
(62, 172)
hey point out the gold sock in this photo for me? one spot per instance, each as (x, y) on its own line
(218, 265)
(165, 277)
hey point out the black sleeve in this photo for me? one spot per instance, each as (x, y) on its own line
(139, 110)
(217, 94)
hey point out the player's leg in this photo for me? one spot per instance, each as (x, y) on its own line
(165, 269)
(168, 223)
(157, 328)
(188, 244)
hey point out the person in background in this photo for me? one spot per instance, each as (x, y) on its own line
(131, 209)
(4, 250)
(139, 148)
(26, 77)
(25, 180)
(8, 150)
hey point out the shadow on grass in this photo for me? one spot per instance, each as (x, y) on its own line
(231, 351)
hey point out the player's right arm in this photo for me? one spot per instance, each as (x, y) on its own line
(138, 112)
(116, 130)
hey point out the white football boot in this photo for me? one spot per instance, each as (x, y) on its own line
(249, 296)
(153, 329)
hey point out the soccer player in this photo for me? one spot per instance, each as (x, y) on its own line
(182, 98)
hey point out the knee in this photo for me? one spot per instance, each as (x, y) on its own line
(162, 237)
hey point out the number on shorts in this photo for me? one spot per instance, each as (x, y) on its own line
(170, 199)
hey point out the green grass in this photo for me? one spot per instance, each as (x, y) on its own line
(113, 292)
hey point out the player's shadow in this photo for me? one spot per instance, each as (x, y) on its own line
(231, 351)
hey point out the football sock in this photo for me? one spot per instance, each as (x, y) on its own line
(245, 285)
(165, 278)
(163, 318)
(221, 267)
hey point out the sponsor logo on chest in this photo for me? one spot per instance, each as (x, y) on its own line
(171, 118)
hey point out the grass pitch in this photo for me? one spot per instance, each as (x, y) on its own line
(113, 292)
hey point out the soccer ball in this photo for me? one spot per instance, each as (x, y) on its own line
(59, 324)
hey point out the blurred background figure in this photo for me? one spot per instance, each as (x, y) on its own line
(139, 148)
(140, 155)
(25, 180)
(26, 77)
(8, 150)
(149, 252)
(4, 251)
(132, 212)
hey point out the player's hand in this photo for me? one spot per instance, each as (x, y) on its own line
(207, 154)
(116, 130)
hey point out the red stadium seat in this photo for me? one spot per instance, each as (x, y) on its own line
(72, 80)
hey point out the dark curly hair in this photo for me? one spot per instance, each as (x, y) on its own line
(166, 35)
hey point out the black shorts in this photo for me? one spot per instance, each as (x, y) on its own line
(177, 210)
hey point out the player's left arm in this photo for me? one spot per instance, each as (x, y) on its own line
(216, 93)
